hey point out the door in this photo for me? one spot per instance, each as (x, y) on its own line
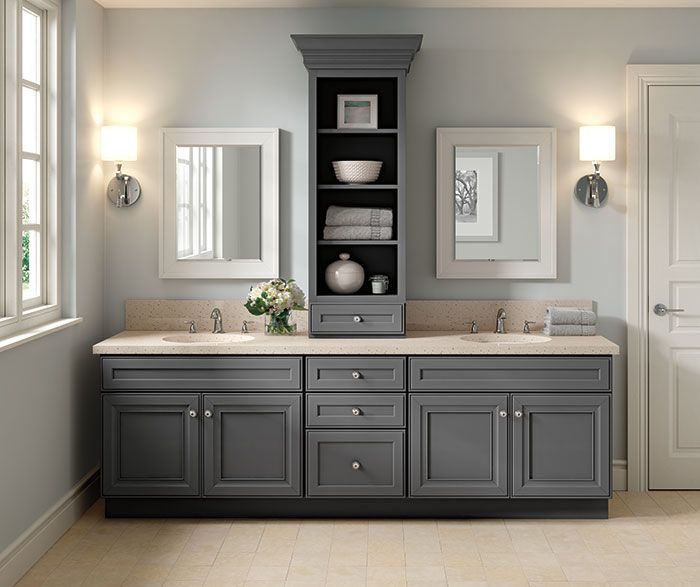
(150, 444)
(561, 445)
(252, 444)
(674, 281)
(458, 445)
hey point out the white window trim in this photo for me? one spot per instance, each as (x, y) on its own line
(16, 319)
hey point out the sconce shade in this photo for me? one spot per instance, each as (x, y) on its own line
(597, 143)
(119, 143)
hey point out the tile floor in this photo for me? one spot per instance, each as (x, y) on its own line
(650, 539)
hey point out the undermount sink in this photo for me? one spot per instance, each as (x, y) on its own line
(493, 338)
(208, 338)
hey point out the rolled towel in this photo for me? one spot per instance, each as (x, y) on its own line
(357, 233)
(568, 330)
(560, 315)
(343, 216)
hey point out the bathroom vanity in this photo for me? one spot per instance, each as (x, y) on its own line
(436, 424)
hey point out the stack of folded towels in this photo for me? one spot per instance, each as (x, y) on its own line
(560, 321)
(358, 223)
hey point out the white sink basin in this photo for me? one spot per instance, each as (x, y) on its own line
(207, 338)
(492, 338)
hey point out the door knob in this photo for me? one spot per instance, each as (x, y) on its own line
(356, 411)
(518, 414)
(207, 414)
(503, 414)
(356, 375)
(357, 319)
(356, 465)
(193, 413)
(662, 310)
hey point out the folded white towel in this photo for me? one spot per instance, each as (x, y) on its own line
(562, 315)
(357, 233)
(344, 216)
(568, 330)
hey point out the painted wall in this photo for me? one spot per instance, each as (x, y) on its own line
(478, 67)
(49, 426)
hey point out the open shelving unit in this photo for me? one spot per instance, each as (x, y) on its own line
(357, 64)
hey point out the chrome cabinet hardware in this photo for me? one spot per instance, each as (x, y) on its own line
(192, 326)
(357, 319)
(662, 310)
(193, 413)
(356, 411)
(356, 375)
(526, 326)
(356, 465)
(208, 414)
(503, 414)
(518, 414)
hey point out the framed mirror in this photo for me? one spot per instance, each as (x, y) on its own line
(496, 203)
(219, 203)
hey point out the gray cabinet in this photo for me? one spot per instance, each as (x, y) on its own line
(150, 444)
(252, 444)
(458, 445)
(561, 445)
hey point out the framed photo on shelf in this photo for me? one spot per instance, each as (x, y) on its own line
(357, 111)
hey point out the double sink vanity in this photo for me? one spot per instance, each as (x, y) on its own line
(433, 424)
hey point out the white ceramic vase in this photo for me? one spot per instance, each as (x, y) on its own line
(344, 276)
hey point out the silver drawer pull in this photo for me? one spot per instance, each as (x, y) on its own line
(207, 414)
(356, 411)
(193, 413)
(356, 375)
(503, 414)
(518, 414)
(356, 465)
(357, 319)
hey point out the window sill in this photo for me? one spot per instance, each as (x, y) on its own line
(19, 338)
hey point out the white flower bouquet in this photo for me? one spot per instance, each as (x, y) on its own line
(275, 299)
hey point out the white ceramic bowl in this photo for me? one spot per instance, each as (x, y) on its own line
(357, 171)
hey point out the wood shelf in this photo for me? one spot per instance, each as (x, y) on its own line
(357, 186)
(328, 243)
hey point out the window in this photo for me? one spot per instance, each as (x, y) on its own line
(29, 198)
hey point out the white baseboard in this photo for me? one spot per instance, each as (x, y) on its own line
(619, 473)
(19, 557)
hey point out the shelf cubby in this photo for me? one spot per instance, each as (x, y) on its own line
(329, 88)
(373, 147)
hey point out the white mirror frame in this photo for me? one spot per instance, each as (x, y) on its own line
(267, 267)
(450, 268)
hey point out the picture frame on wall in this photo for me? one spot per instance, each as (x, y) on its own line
(476, 195)
(357, 111)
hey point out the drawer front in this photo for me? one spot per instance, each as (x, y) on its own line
(355, 463)
(355, 411)
(511, 373)
(355, 373)
(210, 373)
(357, 319)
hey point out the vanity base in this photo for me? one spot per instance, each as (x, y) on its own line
(354, 508)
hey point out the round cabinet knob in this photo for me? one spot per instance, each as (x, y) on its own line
(357, 319)
(503, 414)
(518, 414)
(193, 413)
(207, 414)
(356, 375)
(356, 465)
(356, 411)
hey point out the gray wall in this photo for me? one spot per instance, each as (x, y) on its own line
(481, 67)
(49, 424)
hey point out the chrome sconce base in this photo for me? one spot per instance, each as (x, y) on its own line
(592, 190)
(123, 190)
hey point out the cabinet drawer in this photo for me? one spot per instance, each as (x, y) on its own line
(355, 411)
(355, 373)
(357, 319)
(355, 463)
(511, 373)
(210, 373)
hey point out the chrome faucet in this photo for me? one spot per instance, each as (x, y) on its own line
(218, 322)
(501, 321)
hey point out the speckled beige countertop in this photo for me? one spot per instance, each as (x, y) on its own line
(133, 342)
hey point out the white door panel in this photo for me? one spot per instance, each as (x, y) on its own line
(674, 280)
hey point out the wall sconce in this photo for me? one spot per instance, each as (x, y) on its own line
(596, 144)
(119, 145)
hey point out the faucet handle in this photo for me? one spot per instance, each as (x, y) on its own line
(474, 327)
(193, 326)
(526, 326)
(244, 327)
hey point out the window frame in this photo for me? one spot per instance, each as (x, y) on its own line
(14, 316)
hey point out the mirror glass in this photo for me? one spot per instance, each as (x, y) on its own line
(218, 202)
(496, 199)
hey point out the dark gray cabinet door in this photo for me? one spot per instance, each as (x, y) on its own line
(561, 445)
(150, 444)
(252, 444)
(458, 445)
